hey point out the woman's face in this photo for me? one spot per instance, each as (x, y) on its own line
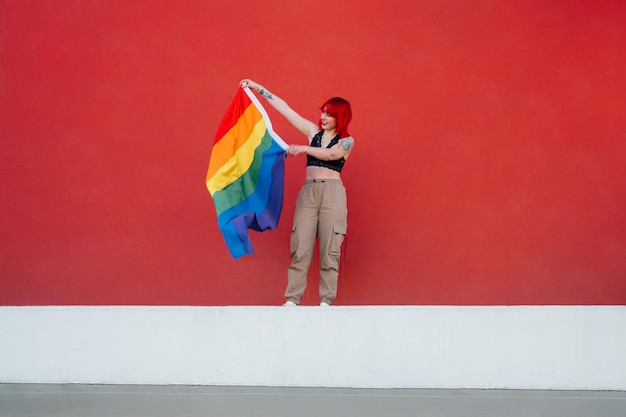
(328, 122)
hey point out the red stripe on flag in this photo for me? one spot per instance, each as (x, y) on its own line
(234, 112)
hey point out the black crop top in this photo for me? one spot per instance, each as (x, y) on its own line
(316, 142)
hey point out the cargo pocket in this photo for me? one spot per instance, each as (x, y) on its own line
(293, 242)
(339, 233)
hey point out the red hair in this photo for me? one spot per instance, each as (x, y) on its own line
(340, 109)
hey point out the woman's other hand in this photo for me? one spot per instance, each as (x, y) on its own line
(294, 150)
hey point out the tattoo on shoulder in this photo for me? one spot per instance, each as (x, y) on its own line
(265, 94)
(346, 143)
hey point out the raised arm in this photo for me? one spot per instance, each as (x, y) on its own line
(307, 127)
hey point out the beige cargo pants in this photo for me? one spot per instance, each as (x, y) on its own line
(321, 211)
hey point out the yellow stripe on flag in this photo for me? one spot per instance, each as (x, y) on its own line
(225, 148)
(239, 163)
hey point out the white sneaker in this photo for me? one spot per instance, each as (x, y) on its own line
(290, 304)
(323, 304)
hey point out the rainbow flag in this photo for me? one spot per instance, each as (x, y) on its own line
(246, 173)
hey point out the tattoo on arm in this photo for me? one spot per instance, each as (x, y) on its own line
(265, 94)
(346, 143)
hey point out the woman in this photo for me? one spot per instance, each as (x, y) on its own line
(321, 209)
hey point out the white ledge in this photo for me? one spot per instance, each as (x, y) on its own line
(509, 347)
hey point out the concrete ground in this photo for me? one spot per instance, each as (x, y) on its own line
(21, 400)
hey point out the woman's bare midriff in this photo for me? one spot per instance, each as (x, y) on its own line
(321, 173)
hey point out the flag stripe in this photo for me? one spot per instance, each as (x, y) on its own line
(246, 184)
(241, 161)
(226, 146)
(233, 115)
(255, 201)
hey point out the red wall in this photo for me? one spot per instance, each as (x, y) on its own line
(489, 165)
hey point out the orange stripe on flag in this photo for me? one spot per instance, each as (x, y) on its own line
(227, 146)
